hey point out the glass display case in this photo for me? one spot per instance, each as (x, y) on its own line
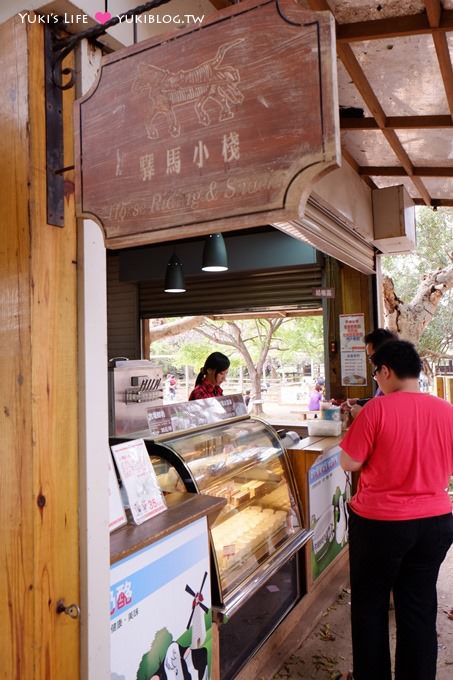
(261, 527)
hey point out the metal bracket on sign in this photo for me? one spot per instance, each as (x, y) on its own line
(54, 136)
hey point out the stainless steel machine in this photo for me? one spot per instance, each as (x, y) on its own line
(134, 386)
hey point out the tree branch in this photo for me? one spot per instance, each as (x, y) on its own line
(172, 328)
(410, 320)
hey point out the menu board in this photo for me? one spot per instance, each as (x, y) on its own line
(139, 480)
(353, 369)
(190, 414)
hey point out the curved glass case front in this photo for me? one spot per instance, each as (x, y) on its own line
(244, 463)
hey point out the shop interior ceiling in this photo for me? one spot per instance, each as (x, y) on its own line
(395, 82)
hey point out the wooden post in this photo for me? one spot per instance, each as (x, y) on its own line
(146, 339)
(449, 389)
(439, 386)
(39, 497)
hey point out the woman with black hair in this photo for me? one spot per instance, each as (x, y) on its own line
(210, 377)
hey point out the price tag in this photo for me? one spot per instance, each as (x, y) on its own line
(229, 550)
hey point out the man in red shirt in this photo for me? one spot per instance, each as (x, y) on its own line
(400, 521)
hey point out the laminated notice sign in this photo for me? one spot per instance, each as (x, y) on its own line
(139, 480)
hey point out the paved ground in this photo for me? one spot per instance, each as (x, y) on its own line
(327, 651)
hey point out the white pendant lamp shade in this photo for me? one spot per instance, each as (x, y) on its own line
(214, 254)
(174, 277)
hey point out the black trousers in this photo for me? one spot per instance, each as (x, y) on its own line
(403, 556)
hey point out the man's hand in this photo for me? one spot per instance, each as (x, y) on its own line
(355, 410)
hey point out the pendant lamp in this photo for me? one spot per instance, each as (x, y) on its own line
(214, 254)
(174, 278)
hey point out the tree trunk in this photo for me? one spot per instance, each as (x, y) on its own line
(233, 338)
(410, 320)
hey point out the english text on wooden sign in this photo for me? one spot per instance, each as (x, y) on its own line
(221, 127)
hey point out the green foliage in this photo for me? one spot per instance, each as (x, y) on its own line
(151, 660)
(302, 336)
(296, 339)
(194, 350)
(434, 242)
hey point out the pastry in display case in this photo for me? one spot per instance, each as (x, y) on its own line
(261, 527)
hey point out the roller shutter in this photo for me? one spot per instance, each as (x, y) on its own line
(123, 327)
(227, 293)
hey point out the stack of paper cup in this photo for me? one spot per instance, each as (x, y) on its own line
(329, 411)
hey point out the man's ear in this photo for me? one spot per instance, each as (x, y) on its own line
(385, 371)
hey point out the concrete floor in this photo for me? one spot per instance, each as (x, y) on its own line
(327, 650)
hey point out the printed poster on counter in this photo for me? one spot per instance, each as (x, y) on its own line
(117, 516)
(139, 480)
(329, 490)
(160, 609)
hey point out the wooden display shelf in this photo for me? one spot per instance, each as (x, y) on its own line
(183, 508)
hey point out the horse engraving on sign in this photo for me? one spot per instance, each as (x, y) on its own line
(165, 90)
(216, 128)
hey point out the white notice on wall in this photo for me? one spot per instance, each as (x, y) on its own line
(117, 516)
(139, 480)
(352, 331)
(353, 369)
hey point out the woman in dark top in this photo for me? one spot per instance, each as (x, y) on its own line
(211, 376)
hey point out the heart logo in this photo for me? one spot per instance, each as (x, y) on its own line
(102, 17)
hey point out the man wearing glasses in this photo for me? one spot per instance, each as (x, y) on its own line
(400, 518)
(373, 341)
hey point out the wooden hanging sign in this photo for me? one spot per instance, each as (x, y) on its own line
(216, 128)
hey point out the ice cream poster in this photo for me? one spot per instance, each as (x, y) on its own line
(329, 491)
(160, 610)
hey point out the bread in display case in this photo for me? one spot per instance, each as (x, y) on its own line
(261, 527)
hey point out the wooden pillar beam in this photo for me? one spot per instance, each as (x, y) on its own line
(38, 363)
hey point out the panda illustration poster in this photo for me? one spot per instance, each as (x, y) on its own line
(329, 490)
(160, 610)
